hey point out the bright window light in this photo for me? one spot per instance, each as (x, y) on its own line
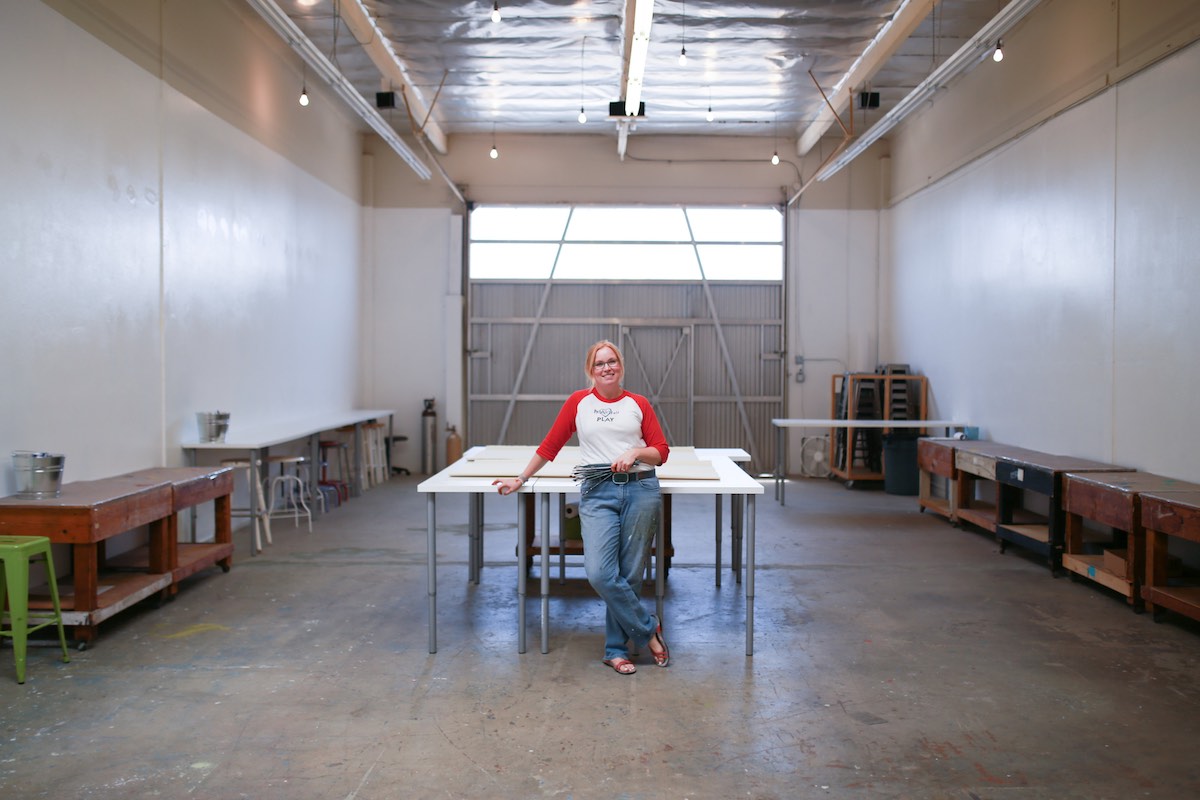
(736, 224)
(606, 243)
(627, 262)
(516, 260)
(741, 262)
(536, 223)
(600, 224)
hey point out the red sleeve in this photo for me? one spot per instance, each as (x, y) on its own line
(563, 428)
(651, 431)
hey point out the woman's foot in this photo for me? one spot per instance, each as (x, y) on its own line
(622, 665)
(662, 656)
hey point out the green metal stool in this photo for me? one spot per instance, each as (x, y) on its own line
(17, 553)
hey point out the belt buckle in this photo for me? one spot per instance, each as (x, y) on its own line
(620, 478)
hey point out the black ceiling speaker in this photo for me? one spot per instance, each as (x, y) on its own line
(385, 99)
(868, 99)
(617, 109)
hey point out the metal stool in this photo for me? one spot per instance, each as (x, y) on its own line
(17, 553)
(289, 487)
(340, 483)
(262, 522)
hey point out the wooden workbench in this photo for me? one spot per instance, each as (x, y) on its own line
(1166, 514)
(975, 461)
(1113, 499)
(1018, 473)
(88, 513)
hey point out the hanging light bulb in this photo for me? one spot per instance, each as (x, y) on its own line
(998, 55)
(304, 95)
(775, 158)
(709, 115)
(494, 153)
(682, 34)
(582, 113)
(496, 16)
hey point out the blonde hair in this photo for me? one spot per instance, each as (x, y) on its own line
(590, 361)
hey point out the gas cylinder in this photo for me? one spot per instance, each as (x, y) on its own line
(429, 438)
(454, 445)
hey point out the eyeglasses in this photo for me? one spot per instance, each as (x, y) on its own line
(603, 365)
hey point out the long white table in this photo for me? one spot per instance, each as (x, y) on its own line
(730, 480)
(256, 441)
(783, 425)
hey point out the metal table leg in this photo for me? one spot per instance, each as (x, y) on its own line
(522, 576)
(545, 569)
(750, 575)
(720, 521)
(431, 522)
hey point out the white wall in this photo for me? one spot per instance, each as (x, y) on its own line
(1048, 289)
(415, 329)
(156, 260)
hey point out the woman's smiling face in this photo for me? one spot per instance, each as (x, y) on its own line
(607, 372)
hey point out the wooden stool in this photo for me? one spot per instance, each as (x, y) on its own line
(262, 520)
(377, 466)
(17, 553)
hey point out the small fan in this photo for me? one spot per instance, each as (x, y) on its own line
(814, 457)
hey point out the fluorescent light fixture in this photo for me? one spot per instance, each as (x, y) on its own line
(643, 18)
(964, 59)
(341, 85)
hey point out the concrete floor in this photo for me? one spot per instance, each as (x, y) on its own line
(896, 657)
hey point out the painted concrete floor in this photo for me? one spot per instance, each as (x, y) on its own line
(896, 657)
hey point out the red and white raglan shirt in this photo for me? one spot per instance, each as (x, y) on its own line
(606, 428)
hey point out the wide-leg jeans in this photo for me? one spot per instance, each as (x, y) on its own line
(618, 522)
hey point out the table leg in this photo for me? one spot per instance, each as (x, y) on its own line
(522, 571)
(736, 517)
(431, 546)
(545, 570)
(660, 572)
(258, 511)
(720, 520)
(474, 537)
(780, 445)
(750, 575)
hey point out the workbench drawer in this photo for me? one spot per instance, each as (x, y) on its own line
(1023, 476)
(936, 456)
(977, 464)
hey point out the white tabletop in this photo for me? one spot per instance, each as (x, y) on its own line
(730, 479)
(867, 423)
(256, 437)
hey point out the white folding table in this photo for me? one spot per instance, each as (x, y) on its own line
(730, 480)
(256, 442)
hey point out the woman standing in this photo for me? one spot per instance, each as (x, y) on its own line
(620, 444)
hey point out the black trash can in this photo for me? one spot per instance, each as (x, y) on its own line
(900, 473)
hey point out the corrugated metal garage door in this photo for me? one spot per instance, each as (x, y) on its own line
(709, 355)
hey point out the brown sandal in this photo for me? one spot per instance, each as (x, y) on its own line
(664, 658)
(622, 666)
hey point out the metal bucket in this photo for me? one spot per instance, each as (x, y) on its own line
(213, 425)
(38, 474)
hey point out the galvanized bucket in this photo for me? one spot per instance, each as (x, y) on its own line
(38, 474)
(213, 425)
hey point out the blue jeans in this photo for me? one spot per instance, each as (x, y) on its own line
(618, 522)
